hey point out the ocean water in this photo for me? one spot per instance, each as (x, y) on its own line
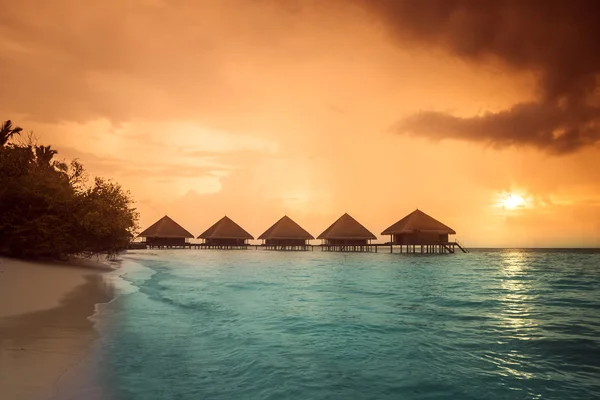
(497, 324)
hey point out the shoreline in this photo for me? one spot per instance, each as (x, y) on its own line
(45, 326)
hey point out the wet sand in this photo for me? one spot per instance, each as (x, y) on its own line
(44, 327)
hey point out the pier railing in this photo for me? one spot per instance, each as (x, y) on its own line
(461, 246)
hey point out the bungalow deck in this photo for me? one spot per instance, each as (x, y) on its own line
(306, 247)
(440, 248)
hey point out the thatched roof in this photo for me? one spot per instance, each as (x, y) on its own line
(346, 227)
(225, 228)
(286, 228)
(418, 221)
(166, 228)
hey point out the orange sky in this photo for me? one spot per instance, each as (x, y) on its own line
(253, 109)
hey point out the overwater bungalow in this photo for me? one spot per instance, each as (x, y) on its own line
(286, 234)
(347, 234)
(165, 233)
(420, 231)
(225, 234)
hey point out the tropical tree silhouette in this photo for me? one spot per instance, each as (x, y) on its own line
(7, 131)
(44, 155)
(47, 209)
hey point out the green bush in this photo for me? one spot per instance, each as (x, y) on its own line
(48, 210)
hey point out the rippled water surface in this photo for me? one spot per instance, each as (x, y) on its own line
(510, 324)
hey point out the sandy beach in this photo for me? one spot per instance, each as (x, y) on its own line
(44, 327)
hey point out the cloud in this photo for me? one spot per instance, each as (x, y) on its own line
(120, 167)
(557, 41)
(122, 60)
(256, 66)
(544, 125)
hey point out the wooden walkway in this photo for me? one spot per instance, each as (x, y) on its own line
(440, 248)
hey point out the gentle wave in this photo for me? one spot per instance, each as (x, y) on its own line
(509, 324)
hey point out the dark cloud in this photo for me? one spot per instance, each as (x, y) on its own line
(556, 39)
(225, 62)
(548, 126)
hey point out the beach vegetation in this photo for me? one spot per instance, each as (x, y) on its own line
(48, 209)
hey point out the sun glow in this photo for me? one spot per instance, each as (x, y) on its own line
(512, 201)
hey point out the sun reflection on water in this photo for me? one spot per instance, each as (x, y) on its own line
(517, 294)
(516, 315)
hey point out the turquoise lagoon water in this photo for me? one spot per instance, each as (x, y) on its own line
(502, 324)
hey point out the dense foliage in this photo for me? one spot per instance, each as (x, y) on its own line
(47, 209)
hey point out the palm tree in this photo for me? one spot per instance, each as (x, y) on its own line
(7, 131)
(43, 155)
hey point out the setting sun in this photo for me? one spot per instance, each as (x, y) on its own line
(512, 201)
